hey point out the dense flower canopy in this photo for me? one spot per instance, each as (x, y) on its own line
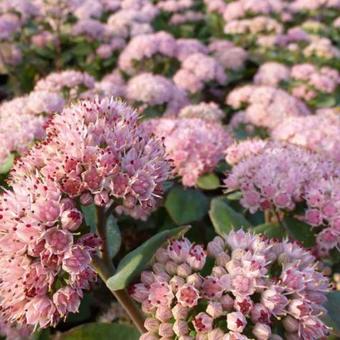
(255, 286)
(128, 125)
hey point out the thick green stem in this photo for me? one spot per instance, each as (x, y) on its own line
(105, 269)
(121, 295)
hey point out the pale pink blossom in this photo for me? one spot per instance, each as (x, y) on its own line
(195, 146)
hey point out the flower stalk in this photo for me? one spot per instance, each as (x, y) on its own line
(105, 269)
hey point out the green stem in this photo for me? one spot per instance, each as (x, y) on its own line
(105, 269)
(121, 295)
(281, 222)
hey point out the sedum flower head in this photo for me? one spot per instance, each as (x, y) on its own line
(96, 151)
(195, 146)
(274, 175)
(265, 106)
(44, 261)
(70, 83)
(251, 290)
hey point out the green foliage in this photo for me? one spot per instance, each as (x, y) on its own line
(224, 218)
(186, 205)
(6, 166)
(90, 216)
(332, 306)
(133, 263)
(102, 331)
(300, 231)
(208, 182)
(113, 236)
(272, 230)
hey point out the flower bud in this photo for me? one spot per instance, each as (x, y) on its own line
(243, 304)
(187, 296)
(195, 280)
(86, 199)
(222, 259)
(184, 270)
(101, 199)
(147, 278)
(163, 313)
(227, 302)
(214, 309)
(216, 246)
(299, 308)
(147, 307)
(139, 292)
(196, 258)
(151, 325)
(203, 323)
(236, 322)
(178, 250)
(179, 312)
(180, 327)
(290, 324)
(218, 271)
(165, 329)
(171, 267)
(158, 268)
(262, 331)
(71, 219)
(216, 334)
(176, 282)
(162, 255)
(260, 313)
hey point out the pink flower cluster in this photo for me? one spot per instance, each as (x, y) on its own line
(318, 132)
(323, 209)
(186, 47)
(206, 111)
(146, 46)
(265, 106)
(195, 146)
(9, 25)
(310, 80)
(198, 70)
(69, 83)
(22, 120)
(133, 18)
(96, 150)
(111, 85)
(253, 26)
(241, 8)
(186, 17)
(239, 151)
(227, 54)
(274, 176)
(255, 287)
(321, 48)
(271, 74)
(153, 90)
(45, 265)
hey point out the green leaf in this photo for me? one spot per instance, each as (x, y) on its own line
(271, 230)
(102, 331)
(224, 218)
(300, 231)
(208, 182)
(133, 263)
(113, 236)
(332, 306)
(186, 205)
(90, 215)
(6, 166)
(234, 196)
(41, 334)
